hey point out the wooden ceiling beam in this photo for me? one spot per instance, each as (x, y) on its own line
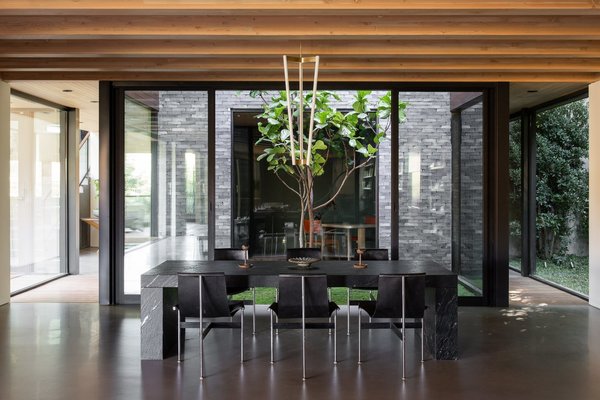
(275, 64)
(385, 26)
(257, 76)
(138, 7)
(265, 48)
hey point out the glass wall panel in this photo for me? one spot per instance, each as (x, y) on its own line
(441, 183)
(36, 197)
(562, 195)
(166, 165)
(515, 174)
(257, 208)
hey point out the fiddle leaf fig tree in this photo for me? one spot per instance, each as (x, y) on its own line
(351, 136)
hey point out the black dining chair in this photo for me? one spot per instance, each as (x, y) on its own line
(368, 254)
(313, 252)
(201, 297)
(401, 296)
(238, 255)
(302, 297)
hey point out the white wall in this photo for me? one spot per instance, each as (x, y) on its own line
(4, 193)
(594, 236)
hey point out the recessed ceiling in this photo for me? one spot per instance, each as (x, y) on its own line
(528, 95)
(82, 96)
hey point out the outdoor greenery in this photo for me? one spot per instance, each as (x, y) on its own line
(561, 193)
(514, 172)
(351, 136)
(267, 295)
(562, 179)
(573, 273)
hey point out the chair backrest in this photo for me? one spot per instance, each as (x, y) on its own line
(390, 296)
(316, 302)
(229, 254)
(374, 254)
(304, 252)
(214, 302)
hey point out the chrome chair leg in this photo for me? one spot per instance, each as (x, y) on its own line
(242, 336)
(303, 349)
(359, 336)
(276, 317)
(178, 336)
(403, 357)
(335, 337)
(303, 332)
(253, 311)
(422, 340)
(201, 348)
(348, 316)
(272, 359)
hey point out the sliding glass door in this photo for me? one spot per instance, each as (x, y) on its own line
(165, 180)
(37, 193)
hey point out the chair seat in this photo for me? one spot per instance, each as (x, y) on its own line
(234, 306)
(332, 307)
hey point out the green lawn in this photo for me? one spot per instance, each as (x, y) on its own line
(267, 295)
(572, 274)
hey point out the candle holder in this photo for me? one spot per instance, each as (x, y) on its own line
(246, 264)
(360, 264)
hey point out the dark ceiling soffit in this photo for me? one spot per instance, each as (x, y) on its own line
(578, 95)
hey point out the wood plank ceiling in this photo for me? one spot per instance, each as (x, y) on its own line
(243, 40)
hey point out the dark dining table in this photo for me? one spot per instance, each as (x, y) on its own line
(159, 294)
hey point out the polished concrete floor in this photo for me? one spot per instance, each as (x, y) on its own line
(86, 351)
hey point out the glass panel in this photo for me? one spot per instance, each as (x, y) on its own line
(258, 206)
(514, 212)
(562, 195)
(470, 268)
(35, 193)
(166, 162)
(441, 183)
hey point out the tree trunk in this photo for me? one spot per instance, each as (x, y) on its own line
(301, 226)
(311, 212)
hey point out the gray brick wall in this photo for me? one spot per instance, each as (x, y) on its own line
(472, 192)
(425, 178)
(182, 128)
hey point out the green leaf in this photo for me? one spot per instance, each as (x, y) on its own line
(319, 145)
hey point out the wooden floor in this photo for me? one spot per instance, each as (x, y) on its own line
(70, 289)
(81, 288)
(529, 292)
